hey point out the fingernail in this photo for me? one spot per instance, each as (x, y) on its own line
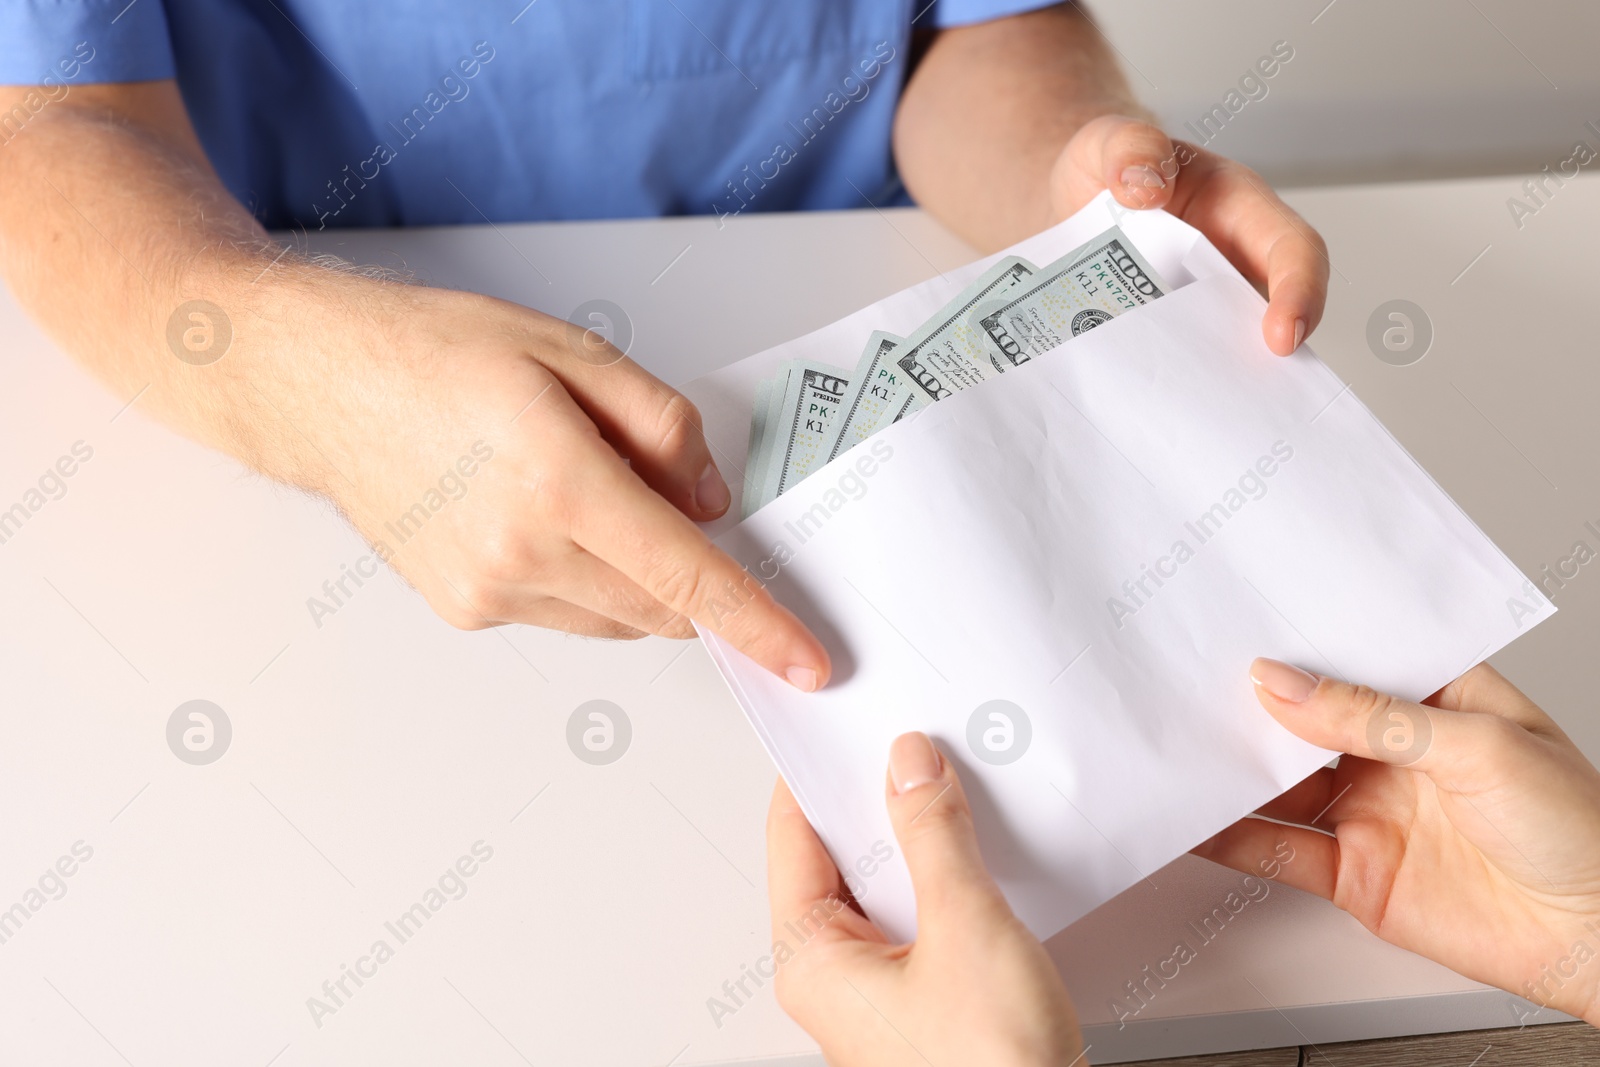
(711, 492)
(1282, 681)
(1299, 332)
(1141, 176)
(802, 678)
(913, 762)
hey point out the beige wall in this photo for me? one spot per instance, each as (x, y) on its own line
(1377, 89)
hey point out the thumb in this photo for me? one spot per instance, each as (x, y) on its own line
(933, 824)
(1361, 721)
(1133, 159)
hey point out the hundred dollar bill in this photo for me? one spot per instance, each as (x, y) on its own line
(764, 426)
(1086, 287)
(905, 400)
(753, 469)
(949, 352)
(800, 436)
(874, 386)
(812, 412)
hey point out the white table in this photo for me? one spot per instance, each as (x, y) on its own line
(372, 752)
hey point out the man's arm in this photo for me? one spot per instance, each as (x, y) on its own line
(1009, 126)
(987, 111)
(585, 471)
(112, 217)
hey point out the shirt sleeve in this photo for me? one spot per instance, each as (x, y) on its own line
(81, 41)
(965, 12)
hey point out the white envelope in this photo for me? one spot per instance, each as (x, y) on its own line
(1102, 539)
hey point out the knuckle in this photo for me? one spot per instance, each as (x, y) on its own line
(501, 554)
(1318, 244)
(1366, 703)
(481, 598)
(1247, 174)
(661, 621)
(455, 605)
(684, 587)
(459, 618)
(1298, 239)
(547, 492)
(678, 427)
(674, 626)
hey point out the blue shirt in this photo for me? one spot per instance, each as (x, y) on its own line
(412, 112)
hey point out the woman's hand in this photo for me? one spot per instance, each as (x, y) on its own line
(975, 987)
(1466, 830)
(1226, 201)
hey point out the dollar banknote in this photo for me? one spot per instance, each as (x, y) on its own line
(798, 437)
(769, 417)
(875, 386)
(810, 413)
(759, 423)
(1088, 286)
(950, 352)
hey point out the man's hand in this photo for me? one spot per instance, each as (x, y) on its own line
(587, 477)
(1228, 202)
(512, 467)
(1007, 127)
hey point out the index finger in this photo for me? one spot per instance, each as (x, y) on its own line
(646, 538)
